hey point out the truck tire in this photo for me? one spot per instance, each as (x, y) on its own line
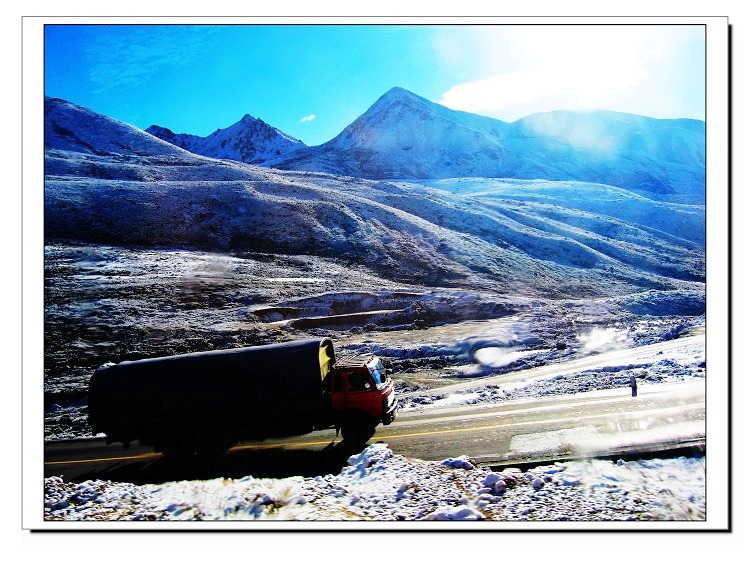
(357, 429)
(176, 451)
(211, 447)
(203, 448)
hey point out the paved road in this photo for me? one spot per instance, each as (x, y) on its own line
(569, 426)
(560, 427)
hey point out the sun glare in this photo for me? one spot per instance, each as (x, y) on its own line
(531, 69)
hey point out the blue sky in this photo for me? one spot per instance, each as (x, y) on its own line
(312, 80)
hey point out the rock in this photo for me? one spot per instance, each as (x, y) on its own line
(461, 462)
(62, 504)
(455, 514)
(491, 478)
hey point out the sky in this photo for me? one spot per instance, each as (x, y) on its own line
(311, 81)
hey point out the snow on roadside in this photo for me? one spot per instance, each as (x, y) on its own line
(377, 485)
(679, 364)
(603, 339)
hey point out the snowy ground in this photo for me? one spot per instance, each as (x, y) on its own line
(679, 364)
(105, 303)
(111, 304)
(377, 485)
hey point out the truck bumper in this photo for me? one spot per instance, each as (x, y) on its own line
(390, 415)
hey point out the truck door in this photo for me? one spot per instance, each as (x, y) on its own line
(338, 395)
(360, 393)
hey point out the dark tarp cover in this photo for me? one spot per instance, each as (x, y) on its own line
(269, 384)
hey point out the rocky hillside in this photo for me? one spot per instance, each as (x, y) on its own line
(72, 128)
(107, 182)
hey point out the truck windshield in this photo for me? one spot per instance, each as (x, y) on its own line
(379, 374)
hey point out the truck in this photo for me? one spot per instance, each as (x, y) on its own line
(205, 402)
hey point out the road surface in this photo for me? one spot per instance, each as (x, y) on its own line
(560, 427)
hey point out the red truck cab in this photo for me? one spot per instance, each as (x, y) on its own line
(361, 387)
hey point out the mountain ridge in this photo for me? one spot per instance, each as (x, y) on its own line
(250, 140)
(71, 127)
(405, 136)
(107, 182)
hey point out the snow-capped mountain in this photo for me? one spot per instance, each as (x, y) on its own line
(107, 182)
(406, 136)
(249, 140)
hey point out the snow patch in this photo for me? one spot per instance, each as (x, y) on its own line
(603, 339)
(499, 356)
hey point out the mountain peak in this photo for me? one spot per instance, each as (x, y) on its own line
(250, 140)
(398, 91)
(398, 95)
(247, 119)
(158, 131)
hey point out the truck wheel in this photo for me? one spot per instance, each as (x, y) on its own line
(357, 429)
(176, 451)
(175, 447)
(213, 447)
